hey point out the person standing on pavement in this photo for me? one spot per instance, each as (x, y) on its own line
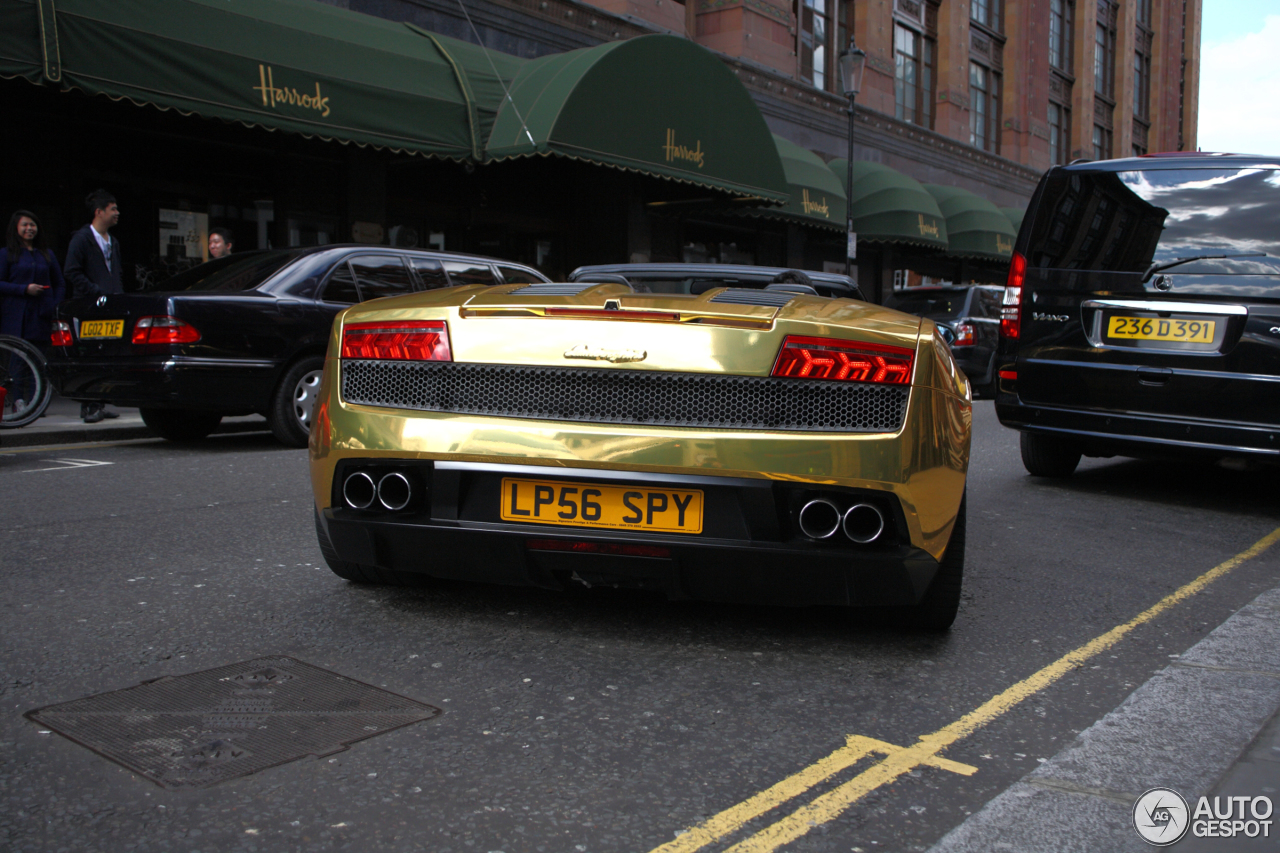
(94, 268)
(31, 286)
(220, 243)
(31, 282)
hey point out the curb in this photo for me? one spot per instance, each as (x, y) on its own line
(1184, 729)
(36, 437)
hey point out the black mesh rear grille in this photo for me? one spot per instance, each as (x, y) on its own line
(625, 396)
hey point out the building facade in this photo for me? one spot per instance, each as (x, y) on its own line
(983, 95)
(979, 96)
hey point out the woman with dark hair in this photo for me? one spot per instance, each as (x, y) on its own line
(31, 283)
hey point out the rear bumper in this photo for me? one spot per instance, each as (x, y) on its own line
(750, 550)
(179, 382)
(1120, 434)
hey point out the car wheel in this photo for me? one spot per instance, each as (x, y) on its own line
(180, 424)
(937, 610)
(294, 400)
(358, 572)
(1049, 456)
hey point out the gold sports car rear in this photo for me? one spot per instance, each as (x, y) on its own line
(738, 445)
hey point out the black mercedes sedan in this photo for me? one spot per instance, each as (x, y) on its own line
(1142, 313)
(240, 335)
(968, 317)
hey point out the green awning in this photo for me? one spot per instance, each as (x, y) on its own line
(976, 227)
(1015, 215)
(293, 65)
(817, 198)
(655, 104)
(889, 207)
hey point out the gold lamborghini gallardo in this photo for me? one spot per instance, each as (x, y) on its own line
(735, 445)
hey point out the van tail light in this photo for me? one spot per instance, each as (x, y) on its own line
(61, 334)
(164, 330)
(843, 361)
(1011, 308)
(402, 340)
(964, 335)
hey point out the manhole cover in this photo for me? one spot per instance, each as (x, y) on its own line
(203, 728)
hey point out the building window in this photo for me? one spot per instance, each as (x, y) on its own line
(1142, 86)
(1059, 133)
(1144, 12)
(814, 32)
(913, 76)
(1101, 143)
(1060, 35)
(984, 108)
(844, 26)
(985, 12)
(1104, 57)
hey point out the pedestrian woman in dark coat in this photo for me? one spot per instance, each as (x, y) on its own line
(31, 283)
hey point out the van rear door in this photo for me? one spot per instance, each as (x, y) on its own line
(1117, 317)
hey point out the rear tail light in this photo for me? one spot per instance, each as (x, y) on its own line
(1011, 308)
(61, 335)
(845, 361)
(164, 330)
(408, 340)
(964, 335)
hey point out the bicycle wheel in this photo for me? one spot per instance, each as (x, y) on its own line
(25, 381)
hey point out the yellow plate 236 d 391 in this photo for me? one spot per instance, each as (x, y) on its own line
(641, 508)
(1180, 330)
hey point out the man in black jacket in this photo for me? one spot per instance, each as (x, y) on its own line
(93, 268)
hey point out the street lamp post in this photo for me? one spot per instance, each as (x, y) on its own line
(852, 61)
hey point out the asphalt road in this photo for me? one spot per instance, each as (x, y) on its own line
(589, 721)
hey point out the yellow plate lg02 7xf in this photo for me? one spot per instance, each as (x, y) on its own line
(613, 507)
(101, 329)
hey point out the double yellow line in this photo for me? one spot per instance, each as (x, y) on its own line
(899, 761)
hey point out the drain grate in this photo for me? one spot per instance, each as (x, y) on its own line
(196, 730)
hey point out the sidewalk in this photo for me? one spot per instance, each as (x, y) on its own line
(61, 424)
(1206, 725)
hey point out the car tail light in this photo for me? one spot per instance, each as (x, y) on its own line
(164, 330)
(608, 548)
(408, 340)
(1011, 308)
(964, 335)
(61, 335)
(848, 361)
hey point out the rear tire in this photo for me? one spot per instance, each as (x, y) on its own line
(937, 610)
(180, 424)
(358, 572)
(1049, 456)
(291, 407)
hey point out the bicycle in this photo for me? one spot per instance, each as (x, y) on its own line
(25, 389)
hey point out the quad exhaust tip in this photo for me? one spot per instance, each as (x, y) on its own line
(863, 523)
(359, 491)
(819, 519)
(394, 491)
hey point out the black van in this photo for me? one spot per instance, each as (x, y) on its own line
(1142, 312)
